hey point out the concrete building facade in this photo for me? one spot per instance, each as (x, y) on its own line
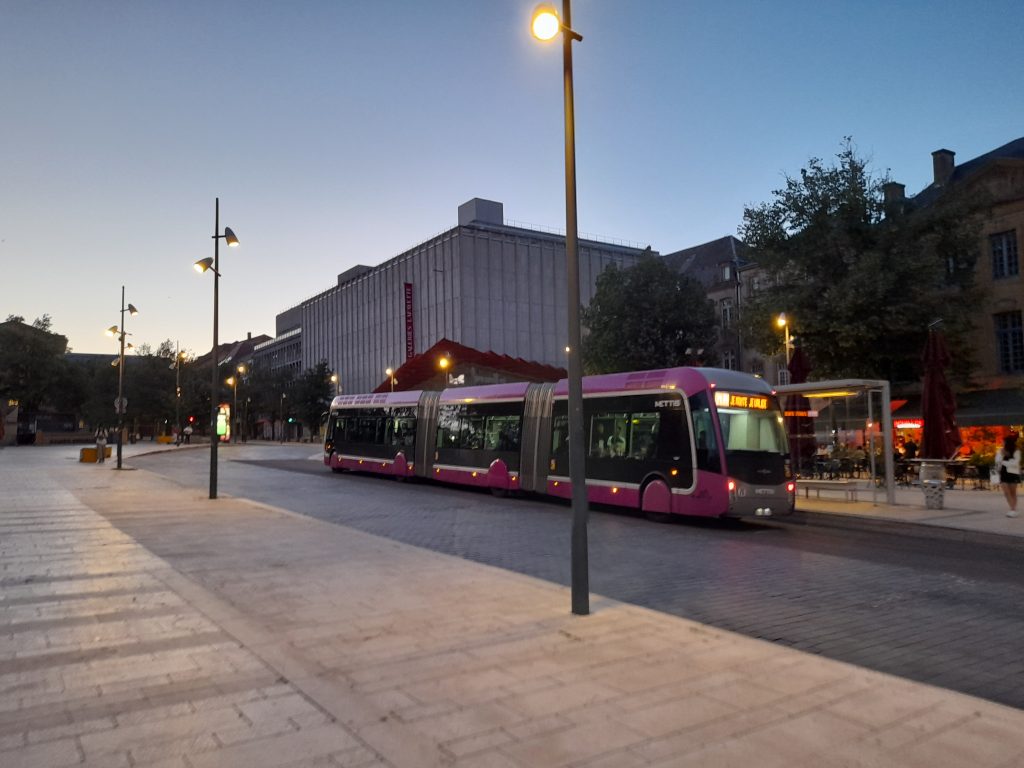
(483, 283)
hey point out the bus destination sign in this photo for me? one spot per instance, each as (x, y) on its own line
(736, 400)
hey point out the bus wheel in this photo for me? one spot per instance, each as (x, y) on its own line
(338, 470)
(501, 493)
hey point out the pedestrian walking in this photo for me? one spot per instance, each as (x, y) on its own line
(1008, 464)
(188, 435)
(101, 444)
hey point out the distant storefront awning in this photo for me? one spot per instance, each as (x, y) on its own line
(979, 408)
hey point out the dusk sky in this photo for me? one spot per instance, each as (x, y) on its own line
(338, 133)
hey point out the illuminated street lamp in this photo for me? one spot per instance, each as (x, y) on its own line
(546, 25)
(783, 322)
(120, 405)
(202, 266)
(234, 408)
(336, 381)
(176, 365)
(391, 377)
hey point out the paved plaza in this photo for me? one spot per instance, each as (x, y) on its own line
(142, 624)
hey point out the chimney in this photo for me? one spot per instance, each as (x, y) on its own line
(942, 166)
(249, 337)
(894, 198)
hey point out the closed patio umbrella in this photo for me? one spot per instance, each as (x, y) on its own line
(941, 437)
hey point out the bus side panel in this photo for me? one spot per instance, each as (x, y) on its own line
(710, 497)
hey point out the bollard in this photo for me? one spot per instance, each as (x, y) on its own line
(934, 494)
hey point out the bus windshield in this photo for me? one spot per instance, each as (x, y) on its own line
(751, 423)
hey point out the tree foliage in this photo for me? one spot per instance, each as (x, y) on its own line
(32, 364)
(312, 395)
(644, 317)
(860, 284)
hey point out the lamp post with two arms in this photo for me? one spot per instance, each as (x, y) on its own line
(120, 404)
(213, 265)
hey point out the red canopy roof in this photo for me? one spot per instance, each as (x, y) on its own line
(423, 367)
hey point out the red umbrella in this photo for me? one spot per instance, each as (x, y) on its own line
(941, 437)
(802, 442)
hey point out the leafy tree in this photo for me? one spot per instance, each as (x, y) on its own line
(645, 317)
(860, 284)
(264, 388)
(32, 364)
(313, 390)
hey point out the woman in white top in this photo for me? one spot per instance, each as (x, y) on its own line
(1008, 463)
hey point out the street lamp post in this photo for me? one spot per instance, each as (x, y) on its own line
(177, 390)
(240, 371)
(391, 377)
(214, 265)
(783, 323)
(119, 406)
(546, 25)
(284, 396)
(336, 381)
(232, 381)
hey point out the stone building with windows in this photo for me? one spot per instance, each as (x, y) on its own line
(998, 176)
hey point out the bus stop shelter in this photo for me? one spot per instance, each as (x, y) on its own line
(879, 401)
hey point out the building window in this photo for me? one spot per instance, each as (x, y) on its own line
(757, 368)
(783, 375)
(726, 272)
(1004, 254)
(1010, 341)
(729, 360)
(726, 312)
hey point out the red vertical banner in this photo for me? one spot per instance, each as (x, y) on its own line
(410, 347)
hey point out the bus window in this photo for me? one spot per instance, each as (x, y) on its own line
(448, 427)
(643, 435)
(472, 432)
(608, 435)
(704, 433)
(502, 433)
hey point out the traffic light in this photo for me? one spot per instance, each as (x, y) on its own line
(191, 419)
(291, 419)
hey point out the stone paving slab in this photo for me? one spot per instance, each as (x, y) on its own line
(264, 638)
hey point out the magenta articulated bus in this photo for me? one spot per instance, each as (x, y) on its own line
(678, 441)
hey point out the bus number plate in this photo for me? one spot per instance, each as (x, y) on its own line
(765, 492)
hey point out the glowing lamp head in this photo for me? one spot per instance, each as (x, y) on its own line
(781, 320)
(229, 237)
(545, 24)
(111, 331)
(132, 310)
(203, 264)
(443, 363)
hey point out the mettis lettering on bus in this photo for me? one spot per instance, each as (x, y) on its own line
(734, 400)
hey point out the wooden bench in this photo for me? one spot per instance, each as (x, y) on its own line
(847, 487)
